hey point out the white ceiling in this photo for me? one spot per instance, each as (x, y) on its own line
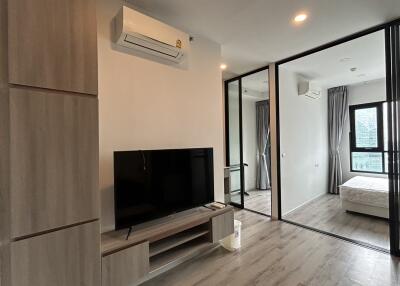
(254, 33)
(256, 82)
(254, 86)
(332, 67)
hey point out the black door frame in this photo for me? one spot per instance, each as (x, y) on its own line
(392, 37)
(393, 193)
(227, 142)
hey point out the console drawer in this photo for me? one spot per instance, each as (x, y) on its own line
(127, 266)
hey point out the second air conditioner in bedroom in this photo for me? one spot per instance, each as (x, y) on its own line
(309, 89)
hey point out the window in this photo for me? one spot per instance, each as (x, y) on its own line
(368, 138)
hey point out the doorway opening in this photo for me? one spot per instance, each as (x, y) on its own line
(338, 138)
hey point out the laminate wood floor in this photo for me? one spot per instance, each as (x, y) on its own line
(259, 201)
(278, 253)
(325, 213)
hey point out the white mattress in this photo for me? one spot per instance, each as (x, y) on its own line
(366, 190)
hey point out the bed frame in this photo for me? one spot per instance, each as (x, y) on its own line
(365, 209)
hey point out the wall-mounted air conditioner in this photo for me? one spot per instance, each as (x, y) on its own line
(308, 89)
(140, 32)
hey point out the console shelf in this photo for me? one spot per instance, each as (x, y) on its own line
(160, 245)
(158, 229)
(177, 239)
(173, 256)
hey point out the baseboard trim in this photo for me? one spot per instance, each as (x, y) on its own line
(304, 204)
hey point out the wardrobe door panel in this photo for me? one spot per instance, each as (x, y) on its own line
(53, 44)
(68, 257)
(54, 155)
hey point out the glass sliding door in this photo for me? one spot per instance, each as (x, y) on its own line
(234, 154)
(248, 141)
(361, 102)
(393, 93)
(256, 142)
(334, 140)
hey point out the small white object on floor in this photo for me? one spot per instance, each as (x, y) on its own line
(233, 241)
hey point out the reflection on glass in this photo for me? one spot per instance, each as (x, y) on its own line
(256, 142)
(385, 127)
(386, 154)
(235, 186)
(234, 136)
(234, 141)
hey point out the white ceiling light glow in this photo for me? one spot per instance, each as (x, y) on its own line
(300, 18)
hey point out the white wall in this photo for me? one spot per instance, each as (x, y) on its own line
(146, 104)
(372, 91)
(249, 140)
(304, 141)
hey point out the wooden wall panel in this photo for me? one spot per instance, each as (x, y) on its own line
(68, 257)
(53, 44)
(126, 267)
(54, 155)
(4, 187)
(4, 151)
(49, 143)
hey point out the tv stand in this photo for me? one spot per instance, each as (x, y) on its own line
(162, 244)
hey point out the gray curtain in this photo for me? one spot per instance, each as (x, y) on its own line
(337, 115)
(263, 146)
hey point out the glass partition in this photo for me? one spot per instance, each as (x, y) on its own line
(393, 115)
(256, 142)
(234, 143)
(248, 141)
(333, 141)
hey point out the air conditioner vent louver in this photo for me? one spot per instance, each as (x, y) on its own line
(152, 45)
(140, 32)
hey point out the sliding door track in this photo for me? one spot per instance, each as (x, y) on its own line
(249, 210)
(354, 241)
(257, 212)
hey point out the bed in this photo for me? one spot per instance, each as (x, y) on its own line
(366, 195)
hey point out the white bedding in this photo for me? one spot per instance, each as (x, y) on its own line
(367, 191)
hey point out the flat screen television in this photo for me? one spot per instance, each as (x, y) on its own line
(155, 183)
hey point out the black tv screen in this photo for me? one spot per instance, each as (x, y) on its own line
(155, 183)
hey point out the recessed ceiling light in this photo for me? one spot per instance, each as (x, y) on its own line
(300, 18)
(223, 66)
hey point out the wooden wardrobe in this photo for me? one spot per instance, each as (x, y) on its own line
(49, 198)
